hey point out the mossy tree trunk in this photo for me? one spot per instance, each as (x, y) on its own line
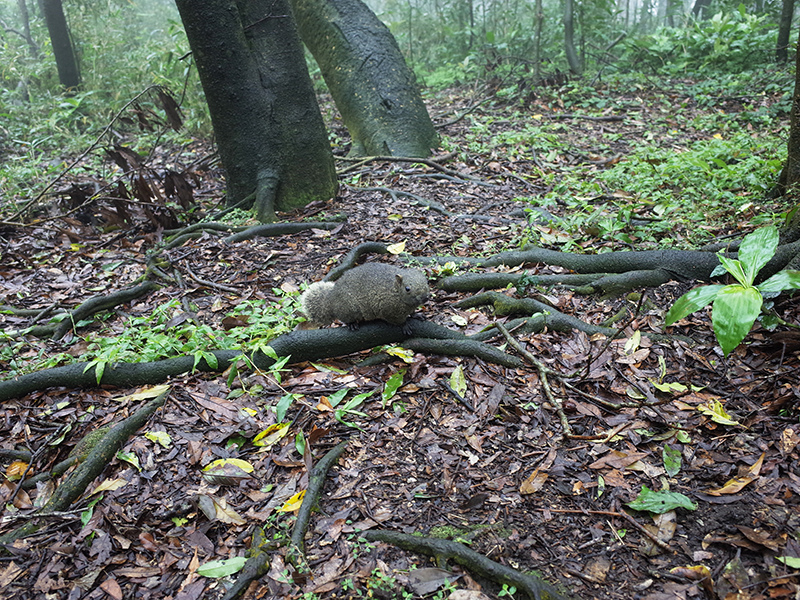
(371, 84)
(68, 74)
(784, 28)
(267, 123)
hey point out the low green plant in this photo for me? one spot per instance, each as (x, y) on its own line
(735, 307)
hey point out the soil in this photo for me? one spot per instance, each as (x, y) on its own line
(491, 467)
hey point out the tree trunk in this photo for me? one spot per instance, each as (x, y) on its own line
(267, 123)
(537, 60)
(569, 39)
(370, 83)
(700, 9)
(791, 171)
(784, 27)
(25, 19)
(68, 74)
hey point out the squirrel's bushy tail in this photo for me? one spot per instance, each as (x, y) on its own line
(315, 304)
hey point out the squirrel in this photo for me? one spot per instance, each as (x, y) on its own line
(366, 293)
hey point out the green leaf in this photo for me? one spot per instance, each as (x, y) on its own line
(392, 385)
(691, 301)
(661, 502)
(717, 412)
(672, 460)
(335, 398)
(735, 310)
(757, 249)
(789, 561)
(222, 568)
(458, 381)
(283, 405)
(782, 280)
(735, 268)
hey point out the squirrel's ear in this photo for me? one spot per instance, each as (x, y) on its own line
(398, 279)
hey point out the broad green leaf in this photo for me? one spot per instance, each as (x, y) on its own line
(690, 302)
(335, 398)
(222, 568)
(735, 310)
(458, 381)
(718, 414)
(672, 460)
(284, 404)
(661, 502)
(789, 561)
(735, 268)
(392, 385)
(356, 401)
(757, 249)
(669, 388)
(159, 437)
(782, 280)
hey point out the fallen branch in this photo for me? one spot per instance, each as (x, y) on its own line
(97, 460)
(446, 550)
(257, 564)
(88, 308)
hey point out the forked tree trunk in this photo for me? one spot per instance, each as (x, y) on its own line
(371, 84)
(267, 123)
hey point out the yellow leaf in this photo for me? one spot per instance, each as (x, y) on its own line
(458, 381)
(736, 484)
(15, 470)
(109, 485)
(396, 248)
(144, 394)
(293, 503)
(271, 435)
(159, 437)
(236, 462)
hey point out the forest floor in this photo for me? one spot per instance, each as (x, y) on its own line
(495, 472)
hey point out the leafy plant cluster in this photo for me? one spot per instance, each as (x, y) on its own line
(169, 331)
(728, 42)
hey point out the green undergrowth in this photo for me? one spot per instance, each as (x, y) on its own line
(167, 332)
(670, 197)
(692, 172)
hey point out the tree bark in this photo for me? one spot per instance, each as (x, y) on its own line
(700, 9)
(371, 84)
(791, 171)
(784, 28)
(68, 73)
(267, 123)
(569, 39)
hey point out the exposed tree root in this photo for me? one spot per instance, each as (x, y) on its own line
(446, 550)
(97, 460)
(91, 307)
(612, 273)
(273, 229)
(301, 345)
(257, 564)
